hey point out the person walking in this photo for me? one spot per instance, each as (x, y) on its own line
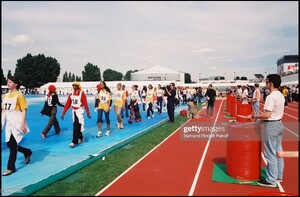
(50, 109)
(171, 93)
(272, 115)
(76, 100)
(210, 97)
(120, 105)
(126, 101)
(159, 94)
(104, 106)
(134, 105)
(149, 100)
(14, 110)
(143, 94)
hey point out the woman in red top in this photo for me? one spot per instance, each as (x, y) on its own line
(77, 99)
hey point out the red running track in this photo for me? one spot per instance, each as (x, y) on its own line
(181, 167)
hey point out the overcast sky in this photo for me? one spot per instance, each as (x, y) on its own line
(211, 38)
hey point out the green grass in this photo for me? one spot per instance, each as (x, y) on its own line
(91, 179)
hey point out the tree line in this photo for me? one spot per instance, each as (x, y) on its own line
(37, 70)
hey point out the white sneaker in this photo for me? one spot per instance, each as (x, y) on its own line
(72, 145)
(152, 115)
(99, 134)
(148, 117)
(81, 141)
(107, 133)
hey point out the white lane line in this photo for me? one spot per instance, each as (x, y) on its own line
(291, 132)
(294, 104)
(116, 179)
(279, 185)
(286, 127)
(290, 109)
(191, 193)
(288, 114)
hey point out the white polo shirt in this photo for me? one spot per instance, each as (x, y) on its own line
(275, 104)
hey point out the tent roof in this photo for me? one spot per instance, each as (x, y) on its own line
(156, 69)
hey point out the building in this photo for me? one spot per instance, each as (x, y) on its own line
(287, 64)
(158, 73)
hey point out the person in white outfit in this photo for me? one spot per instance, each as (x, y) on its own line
(14, 108)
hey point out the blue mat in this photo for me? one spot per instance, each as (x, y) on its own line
(53, 155)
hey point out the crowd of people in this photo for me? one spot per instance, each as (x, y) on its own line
(151, 98)
(131, 101)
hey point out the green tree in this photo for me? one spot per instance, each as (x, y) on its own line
(237, 78)
(3, 79)
(222, 78)
(65, 77)
(70, 77)
(9, 73)
(112, 75)
(243, 78)
(77, 78)
(91, 73)
(73, 77)
(187, 78)
(35, 71)
(216, 78)
(127, 76)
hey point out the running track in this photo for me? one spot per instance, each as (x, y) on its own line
(178, 167)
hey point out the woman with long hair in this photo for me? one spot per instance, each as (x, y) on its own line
(104, 106)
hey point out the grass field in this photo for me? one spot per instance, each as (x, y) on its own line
(91, 179)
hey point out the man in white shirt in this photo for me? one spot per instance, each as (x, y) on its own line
(273, 112)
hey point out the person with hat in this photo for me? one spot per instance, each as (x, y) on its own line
(76, 100)
(14, 108)
(50, 109)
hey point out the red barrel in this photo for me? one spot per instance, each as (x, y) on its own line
(243, 110)
(243, 160)
(233, 109)
(228, 103)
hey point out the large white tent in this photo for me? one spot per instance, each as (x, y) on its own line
(158, 73)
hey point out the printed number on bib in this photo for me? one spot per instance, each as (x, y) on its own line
(75, 101)
(7, 106)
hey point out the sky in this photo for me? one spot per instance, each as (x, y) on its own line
(201, 38)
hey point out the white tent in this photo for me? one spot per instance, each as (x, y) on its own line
(158, 73)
